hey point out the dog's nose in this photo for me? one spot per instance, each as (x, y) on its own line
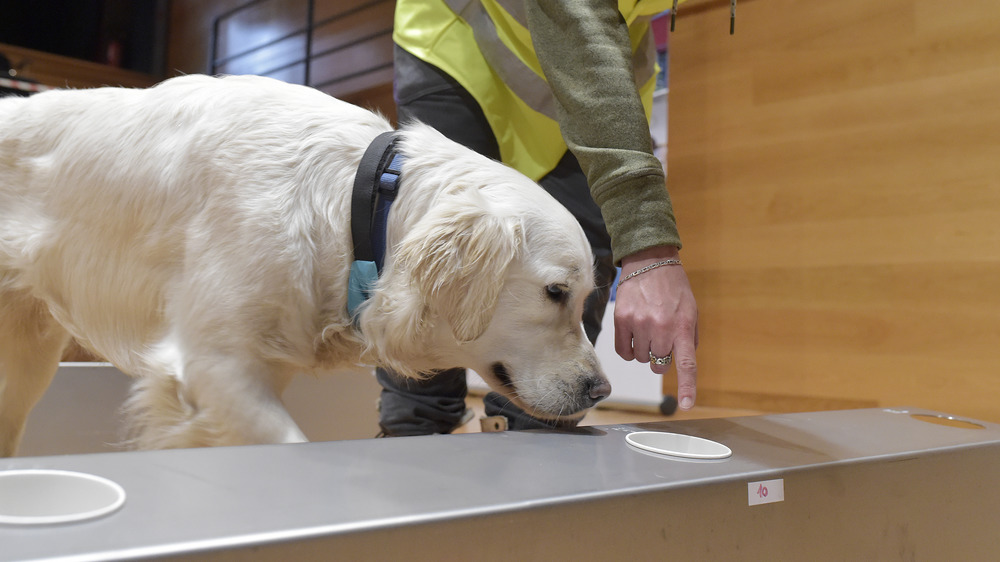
(600, 389)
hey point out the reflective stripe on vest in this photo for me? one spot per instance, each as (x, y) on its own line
(522, 80)
(503, 73)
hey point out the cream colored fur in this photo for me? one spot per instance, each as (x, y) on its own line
(197, 235)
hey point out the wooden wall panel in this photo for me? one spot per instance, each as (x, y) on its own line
(360, 74)
(189, 36)
(835, 168)
(354, 49)
(57, 71)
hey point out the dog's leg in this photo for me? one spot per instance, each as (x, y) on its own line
(31, 343)
(241, 397)
(216, 401)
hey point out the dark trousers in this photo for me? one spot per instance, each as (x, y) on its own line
(436, 405)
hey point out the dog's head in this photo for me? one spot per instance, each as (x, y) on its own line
(487, 271)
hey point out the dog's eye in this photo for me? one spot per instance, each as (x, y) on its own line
(557, 293)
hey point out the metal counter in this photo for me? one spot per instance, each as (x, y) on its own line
(845, 485)
(80, 411)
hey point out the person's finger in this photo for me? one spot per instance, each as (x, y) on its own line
(623, 339)
(687, 371)
(660, 363)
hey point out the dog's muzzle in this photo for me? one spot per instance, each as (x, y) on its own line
(581, 395)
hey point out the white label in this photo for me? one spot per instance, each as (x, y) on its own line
(767, 491)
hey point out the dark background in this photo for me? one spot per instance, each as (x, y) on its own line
(92, 30)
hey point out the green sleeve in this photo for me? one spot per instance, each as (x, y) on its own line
(584, 50)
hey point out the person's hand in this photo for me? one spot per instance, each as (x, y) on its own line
(655, 312)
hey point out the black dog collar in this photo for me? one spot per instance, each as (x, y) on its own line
(375, 188)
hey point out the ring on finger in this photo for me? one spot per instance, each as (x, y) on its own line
(660, 360)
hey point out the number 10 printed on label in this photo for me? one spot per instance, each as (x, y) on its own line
(767, 491)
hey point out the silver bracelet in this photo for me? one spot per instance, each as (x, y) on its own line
(647, 268)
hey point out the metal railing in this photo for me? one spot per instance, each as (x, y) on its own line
(307, 32)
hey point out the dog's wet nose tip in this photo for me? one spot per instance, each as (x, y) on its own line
(599, 389)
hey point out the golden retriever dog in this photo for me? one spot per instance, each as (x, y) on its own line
(197, 235)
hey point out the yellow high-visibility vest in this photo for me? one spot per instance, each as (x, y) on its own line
(485, 46)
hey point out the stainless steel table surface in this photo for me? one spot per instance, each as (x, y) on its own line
(243, 499)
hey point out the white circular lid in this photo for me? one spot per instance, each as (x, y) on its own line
(34, 497)
(677, 445)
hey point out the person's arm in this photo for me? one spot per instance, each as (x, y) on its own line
(584, 50)
(585, 53)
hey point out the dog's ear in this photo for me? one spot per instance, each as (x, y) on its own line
(457, 258)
